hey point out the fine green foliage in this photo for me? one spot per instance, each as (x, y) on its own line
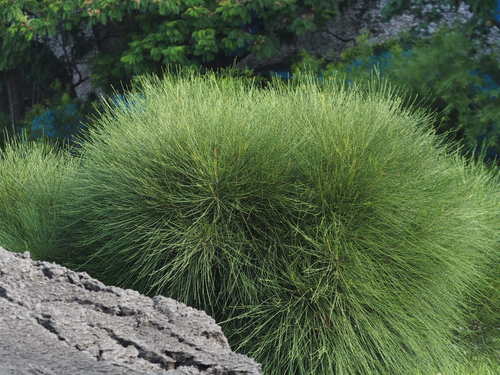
(31, 176)
(481, 333)
(327, 229)
(478, 365)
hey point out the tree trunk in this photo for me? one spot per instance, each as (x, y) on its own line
(13, 95)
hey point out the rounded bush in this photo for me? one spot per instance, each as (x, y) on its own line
(31, 183)
(327, 229)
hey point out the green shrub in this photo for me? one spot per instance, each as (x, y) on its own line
(481, 331)
(328, 230)
(479, 365)
(31, 181)
(429, 78)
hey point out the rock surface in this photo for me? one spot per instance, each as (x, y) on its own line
(341, 32)
(55, 321)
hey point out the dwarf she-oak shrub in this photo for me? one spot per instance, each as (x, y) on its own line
(31, 181)
(328, 230)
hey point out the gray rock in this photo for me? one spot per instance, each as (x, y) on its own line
(328, 42)
(341, 32)
(418, 17)
(54, 321)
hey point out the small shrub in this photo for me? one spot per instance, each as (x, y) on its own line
(31, 183)
(328, 230)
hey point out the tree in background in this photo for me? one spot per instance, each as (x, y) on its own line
(127, 38)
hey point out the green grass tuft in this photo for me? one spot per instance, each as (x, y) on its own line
(31, 183)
